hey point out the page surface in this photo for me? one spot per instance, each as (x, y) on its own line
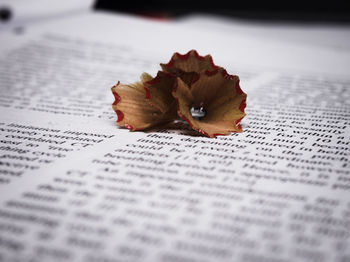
(335, 38)
(76, 187)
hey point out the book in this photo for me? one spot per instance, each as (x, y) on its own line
(76, 187)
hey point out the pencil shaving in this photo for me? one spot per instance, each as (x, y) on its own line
(190, 87)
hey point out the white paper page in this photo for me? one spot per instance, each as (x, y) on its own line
(26, 14)
(333, 37)
(276, 192)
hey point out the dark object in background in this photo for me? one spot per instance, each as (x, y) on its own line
(5, 14)
(337, 11)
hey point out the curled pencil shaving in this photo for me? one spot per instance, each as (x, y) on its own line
(137, 109)
(219, 102)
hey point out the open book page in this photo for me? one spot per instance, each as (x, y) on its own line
(76, 187)
(334, 37)
(26, 14)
